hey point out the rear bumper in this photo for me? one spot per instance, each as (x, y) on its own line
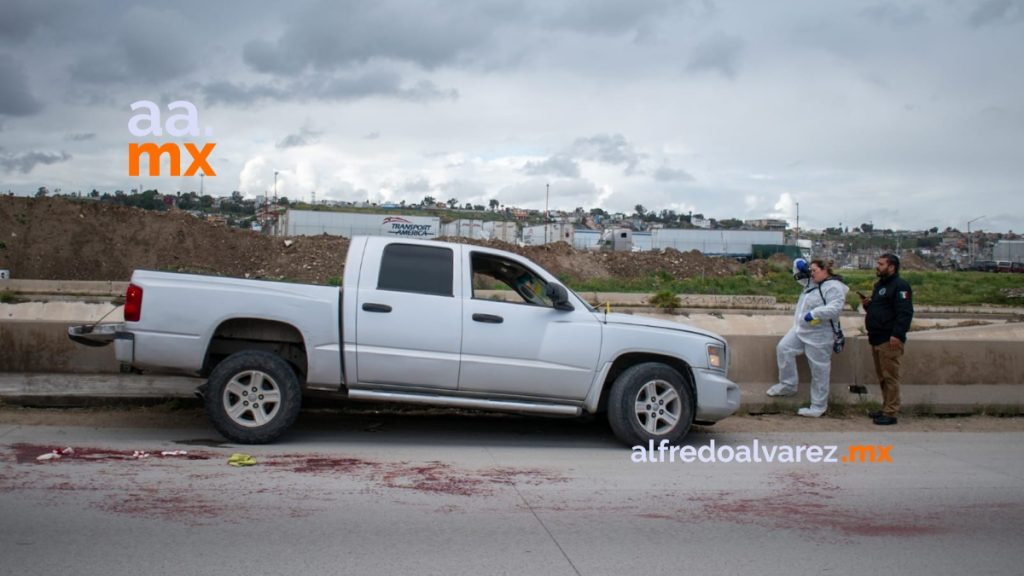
(98, 335)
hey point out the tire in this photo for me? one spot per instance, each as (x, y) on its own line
(650, 401)
(230, 402)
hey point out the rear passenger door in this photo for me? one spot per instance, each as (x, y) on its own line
(408, 316)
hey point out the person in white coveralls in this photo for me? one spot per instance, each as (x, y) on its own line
(817, 313)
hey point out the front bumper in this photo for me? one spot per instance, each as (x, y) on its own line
(717, 396)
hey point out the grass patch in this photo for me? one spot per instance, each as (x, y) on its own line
(667, 300)
(1000, 410)
(930, 288)
(8, 297)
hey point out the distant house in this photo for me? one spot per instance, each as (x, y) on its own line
(701, 222)
(767, 224)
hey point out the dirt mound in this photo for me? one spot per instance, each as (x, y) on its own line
(61, 239)
(911, 261)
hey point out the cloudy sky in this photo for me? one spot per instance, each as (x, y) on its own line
(904, 114)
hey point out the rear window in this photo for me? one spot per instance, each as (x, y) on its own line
(420, 269)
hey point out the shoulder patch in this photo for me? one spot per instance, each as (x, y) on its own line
(904, 295)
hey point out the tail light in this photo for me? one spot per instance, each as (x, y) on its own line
(133, 304)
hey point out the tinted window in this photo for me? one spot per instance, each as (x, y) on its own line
(423, 269)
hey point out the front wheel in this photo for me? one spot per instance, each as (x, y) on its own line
(650, 401)
(253, 397)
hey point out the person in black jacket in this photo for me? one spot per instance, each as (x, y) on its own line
(889, 312)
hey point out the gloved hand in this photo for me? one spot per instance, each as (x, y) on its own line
(801, 265)
(809, 318)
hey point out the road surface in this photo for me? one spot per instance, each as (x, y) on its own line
(450, 494)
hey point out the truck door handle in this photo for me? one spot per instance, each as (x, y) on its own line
(488, 318)
(370, 307)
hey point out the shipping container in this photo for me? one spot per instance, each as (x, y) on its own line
(548, 233)
(472, 229)
(1010, 250)
(349, 224)
(712, 242)
(503, 231)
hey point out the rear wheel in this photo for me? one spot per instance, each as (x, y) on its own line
(253, 397)
(650, 401)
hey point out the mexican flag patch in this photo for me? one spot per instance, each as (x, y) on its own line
(903, 295)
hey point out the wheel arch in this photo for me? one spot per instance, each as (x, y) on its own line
(274, 336)
(627, 361)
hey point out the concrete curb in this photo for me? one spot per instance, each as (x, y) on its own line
(77, 390)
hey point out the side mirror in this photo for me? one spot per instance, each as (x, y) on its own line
(559, 296)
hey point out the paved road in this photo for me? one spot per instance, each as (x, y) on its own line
(455, 495)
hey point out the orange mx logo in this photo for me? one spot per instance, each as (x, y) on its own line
(148, 123)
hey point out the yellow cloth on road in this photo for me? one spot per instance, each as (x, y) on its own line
(238, 460)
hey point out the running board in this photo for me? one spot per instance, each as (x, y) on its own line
(461, 402)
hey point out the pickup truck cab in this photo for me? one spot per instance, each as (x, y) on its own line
(423, 322)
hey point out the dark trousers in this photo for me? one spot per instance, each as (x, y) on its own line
(887, 367)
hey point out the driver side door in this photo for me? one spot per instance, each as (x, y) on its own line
(522, 347)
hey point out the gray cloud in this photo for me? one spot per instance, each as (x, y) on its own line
(81, 136)
(331, 35)
(564, 192)
(613, 16)
(666, 174)
(384, 84)
(463, 190)
(24, 162)
(894, 14)
(415, 186)
(719, 53)
(15, 97)
(607, 149)
(23, 17)
(304, 137)
(557, 165)
(995, 11)
(371, 136)
(146, 45)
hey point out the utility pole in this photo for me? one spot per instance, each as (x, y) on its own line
(275, 186)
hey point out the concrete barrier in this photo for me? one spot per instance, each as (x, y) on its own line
(43, 347)
(65, 287)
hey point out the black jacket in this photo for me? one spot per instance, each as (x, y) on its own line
(890, 311)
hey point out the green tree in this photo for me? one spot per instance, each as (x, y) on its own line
(428, 201)
(493, 203)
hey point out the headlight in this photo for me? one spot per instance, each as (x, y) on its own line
(716, 357)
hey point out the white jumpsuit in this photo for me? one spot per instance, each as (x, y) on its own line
(813, 340)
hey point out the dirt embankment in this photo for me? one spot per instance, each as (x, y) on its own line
(60, 239)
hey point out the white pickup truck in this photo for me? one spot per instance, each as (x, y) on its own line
(417, 321)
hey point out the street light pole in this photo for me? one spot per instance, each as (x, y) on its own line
(547, 195)
(970, 240)
(797, 240)
(275, 185)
